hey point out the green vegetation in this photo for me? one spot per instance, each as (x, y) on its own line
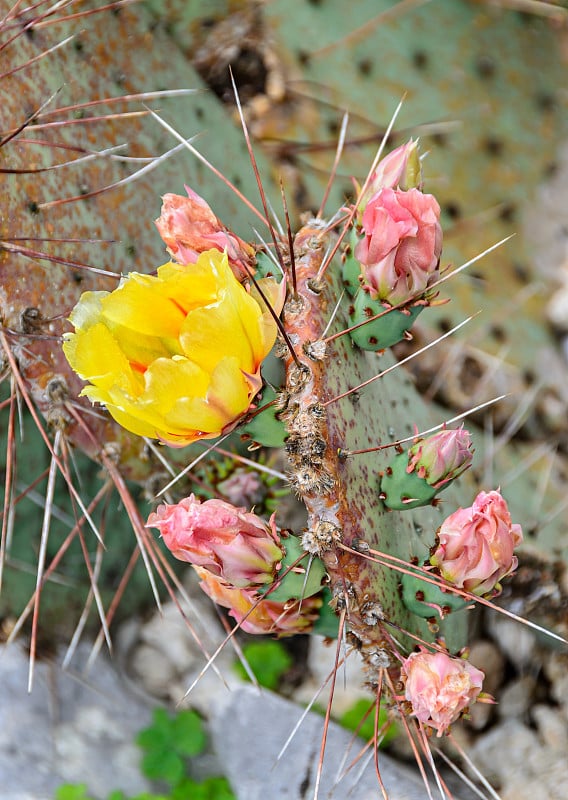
(268, 660)
(167, 745)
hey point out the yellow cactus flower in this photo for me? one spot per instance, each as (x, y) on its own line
(174, 356)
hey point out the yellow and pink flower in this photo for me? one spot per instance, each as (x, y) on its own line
(174, 356)
(189, 227)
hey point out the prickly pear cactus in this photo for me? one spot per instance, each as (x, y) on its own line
(341, 411)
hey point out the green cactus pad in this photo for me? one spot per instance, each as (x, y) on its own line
(265, 428)
(423, 598)
(401, 489)
(351, 267)
(294, 585)
(350, 274)
(384, 331)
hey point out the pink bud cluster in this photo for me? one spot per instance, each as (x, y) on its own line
(229, 542)
(441, 457)
(257, 615)
(400, 169)
(440, 688)
(400, 251)
(236, 554)
(189, 227)
(475, 545)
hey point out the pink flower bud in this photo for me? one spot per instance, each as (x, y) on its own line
(189, 227)
(228, 541)
(257, 615)
(400, 251)
(441, 457)
(439, 687)
(475, 545)
(399, 170)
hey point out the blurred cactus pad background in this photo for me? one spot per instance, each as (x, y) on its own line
(84, 164)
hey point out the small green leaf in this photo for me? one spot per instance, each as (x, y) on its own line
(269, 660)
(163, 765)
(209, 789)
(265, 427)
(189, 738)
(157, 735)
(72, 791)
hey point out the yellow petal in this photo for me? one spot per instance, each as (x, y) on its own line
(232, 326)
(140, 305)
(88, 310)
(191, 285)
(96, 356)
(227, 398)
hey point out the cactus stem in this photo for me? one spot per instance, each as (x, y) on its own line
(400, 363)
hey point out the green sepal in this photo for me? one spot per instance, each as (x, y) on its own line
(414, 584)
(401, 489)
(266, 268)
(294, 584)
(351, 268)
(384, 331)
(328, 622)
(265, 428)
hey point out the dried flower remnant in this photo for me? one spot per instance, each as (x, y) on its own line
(258, 615)
(189, 227)
(175, 356)
(440, 688)
(229, 542)
(243, 487)
(475, 545)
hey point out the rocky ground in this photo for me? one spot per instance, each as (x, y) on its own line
(78, 726)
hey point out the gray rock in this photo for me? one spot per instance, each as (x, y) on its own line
(72, 728)
(249, 729)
